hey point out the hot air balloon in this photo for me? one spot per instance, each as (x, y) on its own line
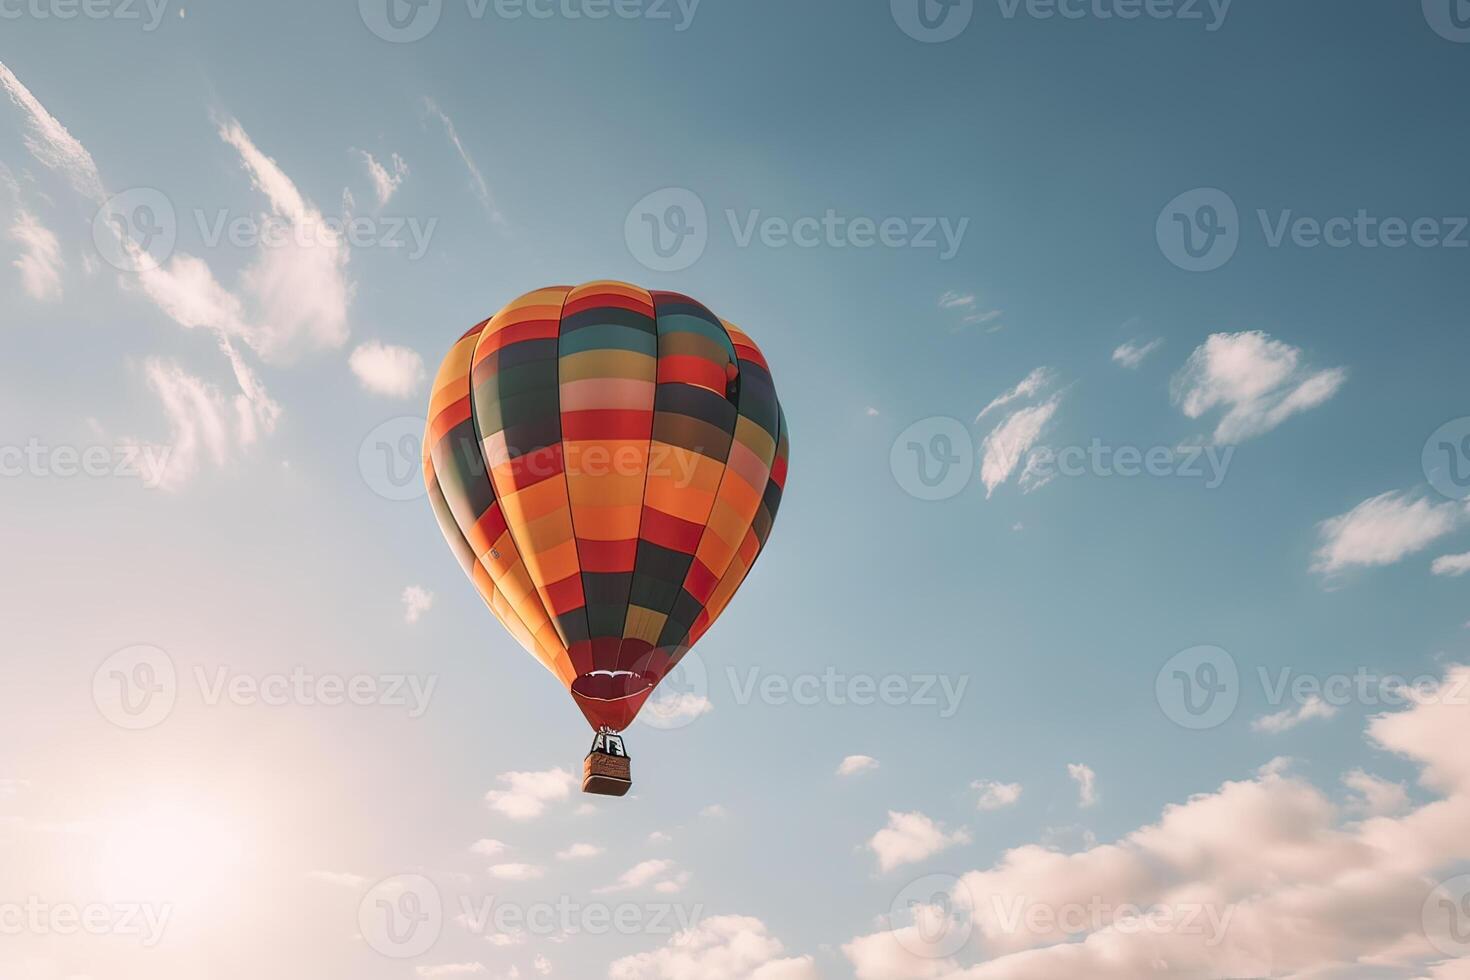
(606, 463)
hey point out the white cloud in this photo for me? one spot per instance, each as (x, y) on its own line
(204, 424)
(417, 600)
(1130, 355)
(714, 811)
(659, 837)
(1274, 880)
(995, 795)
(450, 970)
(854, 764)
(527, 793)
(1086, 781)
(1382, 530)
(1031, 385)
(911, 837)
(1257, 381)
(724, 947)
(49, 142)
(1288, 718)
(385, 369)
(676, 709)
(40, 262)
(1010, 441)
(661, 874)
(477, 180)
(339, 878)
(385, 180)
(487, 847)
(1454, 565)
(516, 872)
(578, 851)
(1376, 797)
(301, 284)
(952, 300)
(541, 965)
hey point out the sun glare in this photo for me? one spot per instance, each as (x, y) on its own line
(168, 851)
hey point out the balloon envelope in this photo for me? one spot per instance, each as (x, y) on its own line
(606, 463)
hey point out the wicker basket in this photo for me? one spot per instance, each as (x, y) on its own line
(606, 775)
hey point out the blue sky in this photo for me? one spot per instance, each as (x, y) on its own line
(1031, 296)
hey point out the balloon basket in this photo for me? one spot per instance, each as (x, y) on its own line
(607, 770)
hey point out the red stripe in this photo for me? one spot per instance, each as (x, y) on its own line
(474, 330)
(517, 332)
(778, 472)
(691, 370)
(606, 423)
(747, 353)
(602, 301)
(607, 556)
(454, 413)
(532, 468)
(487, 529)
(700, 582)
(670, 532)
(566, 595)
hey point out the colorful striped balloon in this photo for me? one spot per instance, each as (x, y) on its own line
(606, 463)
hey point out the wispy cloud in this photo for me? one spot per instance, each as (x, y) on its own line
(1258, 382)
(49, 141)
(578, 852)
(1010, 441)
(1383, 530)
(1086, 781)
(1452, 565)
(477, 180)
(995, 795)
(417, 600)
(723, 947)
(1288, 718)
(1130, 355)
(516, 872)
(386, 179)
(854, 764)
(40, 262)
(966, 304)
(660, 874)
